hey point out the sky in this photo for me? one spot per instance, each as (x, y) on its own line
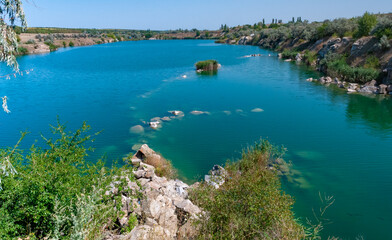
(186, 14)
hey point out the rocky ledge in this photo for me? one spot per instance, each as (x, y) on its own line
(163, 210)
(368, 88)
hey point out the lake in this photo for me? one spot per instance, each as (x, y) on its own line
(339, 144)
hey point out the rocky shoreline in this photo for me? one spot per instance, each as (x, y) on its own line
(368, 88)
(357, 50)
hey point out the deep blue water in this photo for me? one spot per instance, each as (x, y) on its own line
(339, 144)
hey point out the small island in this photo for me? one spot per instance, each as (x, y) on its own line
(207, 66)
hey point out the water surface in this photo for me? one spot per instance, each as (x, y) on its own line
(339, 144)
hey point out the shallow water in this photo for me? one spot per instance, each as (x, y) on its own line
(339, 144)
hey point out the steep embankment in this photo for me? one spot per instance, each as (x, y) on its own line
(356, 50)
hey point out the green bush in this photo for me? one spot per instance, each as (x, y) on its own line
(250, 204)
(383, 27)
(53, 191)
(310, 57)
(23, 51)
(372, 62)
(207, 65)
(289, 54)
(365, 24)
(51, 45)
(338, 67)
(71, 44)
(30, 41)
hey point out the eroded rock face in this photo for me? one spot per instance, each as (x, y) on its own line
(332, 46)
(388, 79)
(245, 40)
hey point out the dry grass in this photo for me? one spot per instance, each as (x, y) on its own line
(163, 167)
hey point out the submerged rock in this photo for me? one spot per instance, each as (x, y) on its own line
(256, 110)
(138, 129)
(196, 112)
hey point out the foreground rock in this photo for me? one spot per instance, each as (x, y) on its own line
(164, 210)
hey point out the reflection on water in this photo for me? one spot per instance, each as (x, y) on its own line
(375, 111)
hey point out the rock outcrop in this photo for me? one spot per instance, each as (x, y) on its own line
(164, 210)
(245, 40)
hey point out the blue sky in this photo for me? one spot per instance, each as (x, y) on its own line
(174, 14)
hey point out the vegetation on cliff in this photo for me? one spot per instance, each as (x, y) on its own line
(354, 40)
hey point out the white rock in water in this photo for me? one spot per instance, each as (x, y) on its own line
(154, 125)
(239, 111)
(176, 113)
(138, 129)
(184, 76)
(227, 112)
(255, 110)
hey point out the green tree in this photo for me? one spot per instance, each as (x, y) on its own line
(365, 24)
(10, 12)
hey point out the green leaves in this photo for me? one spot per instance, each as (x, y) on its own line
(250, 204)
(55, 191)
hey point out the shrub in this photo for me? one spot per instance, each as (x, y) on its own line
(339, 68)
(64, 44)
(372, 62)
(52, 47)
(365, 24)
(383, 27)
(71, 44)
(207, 65)
(250, 204)
(163, 167)
(30, 41)
(310, 57)
(54, 192)
(384, 43)
(22, 51)
(289, 54)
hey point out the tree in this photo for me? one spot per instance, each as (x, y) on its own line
(11, 11)
(365, 24)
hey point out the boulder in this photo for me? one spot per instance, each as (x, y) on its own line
(245, 40)
(371, 83)
(138, 129)
(299, 57)
(383, 89)
(369, 89)
(217, 176)
(388, 69)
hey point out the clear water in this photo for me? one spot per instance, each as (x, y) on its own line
(339, 144)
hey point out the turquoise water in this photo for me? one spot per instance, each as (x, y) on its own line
(339, 144)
